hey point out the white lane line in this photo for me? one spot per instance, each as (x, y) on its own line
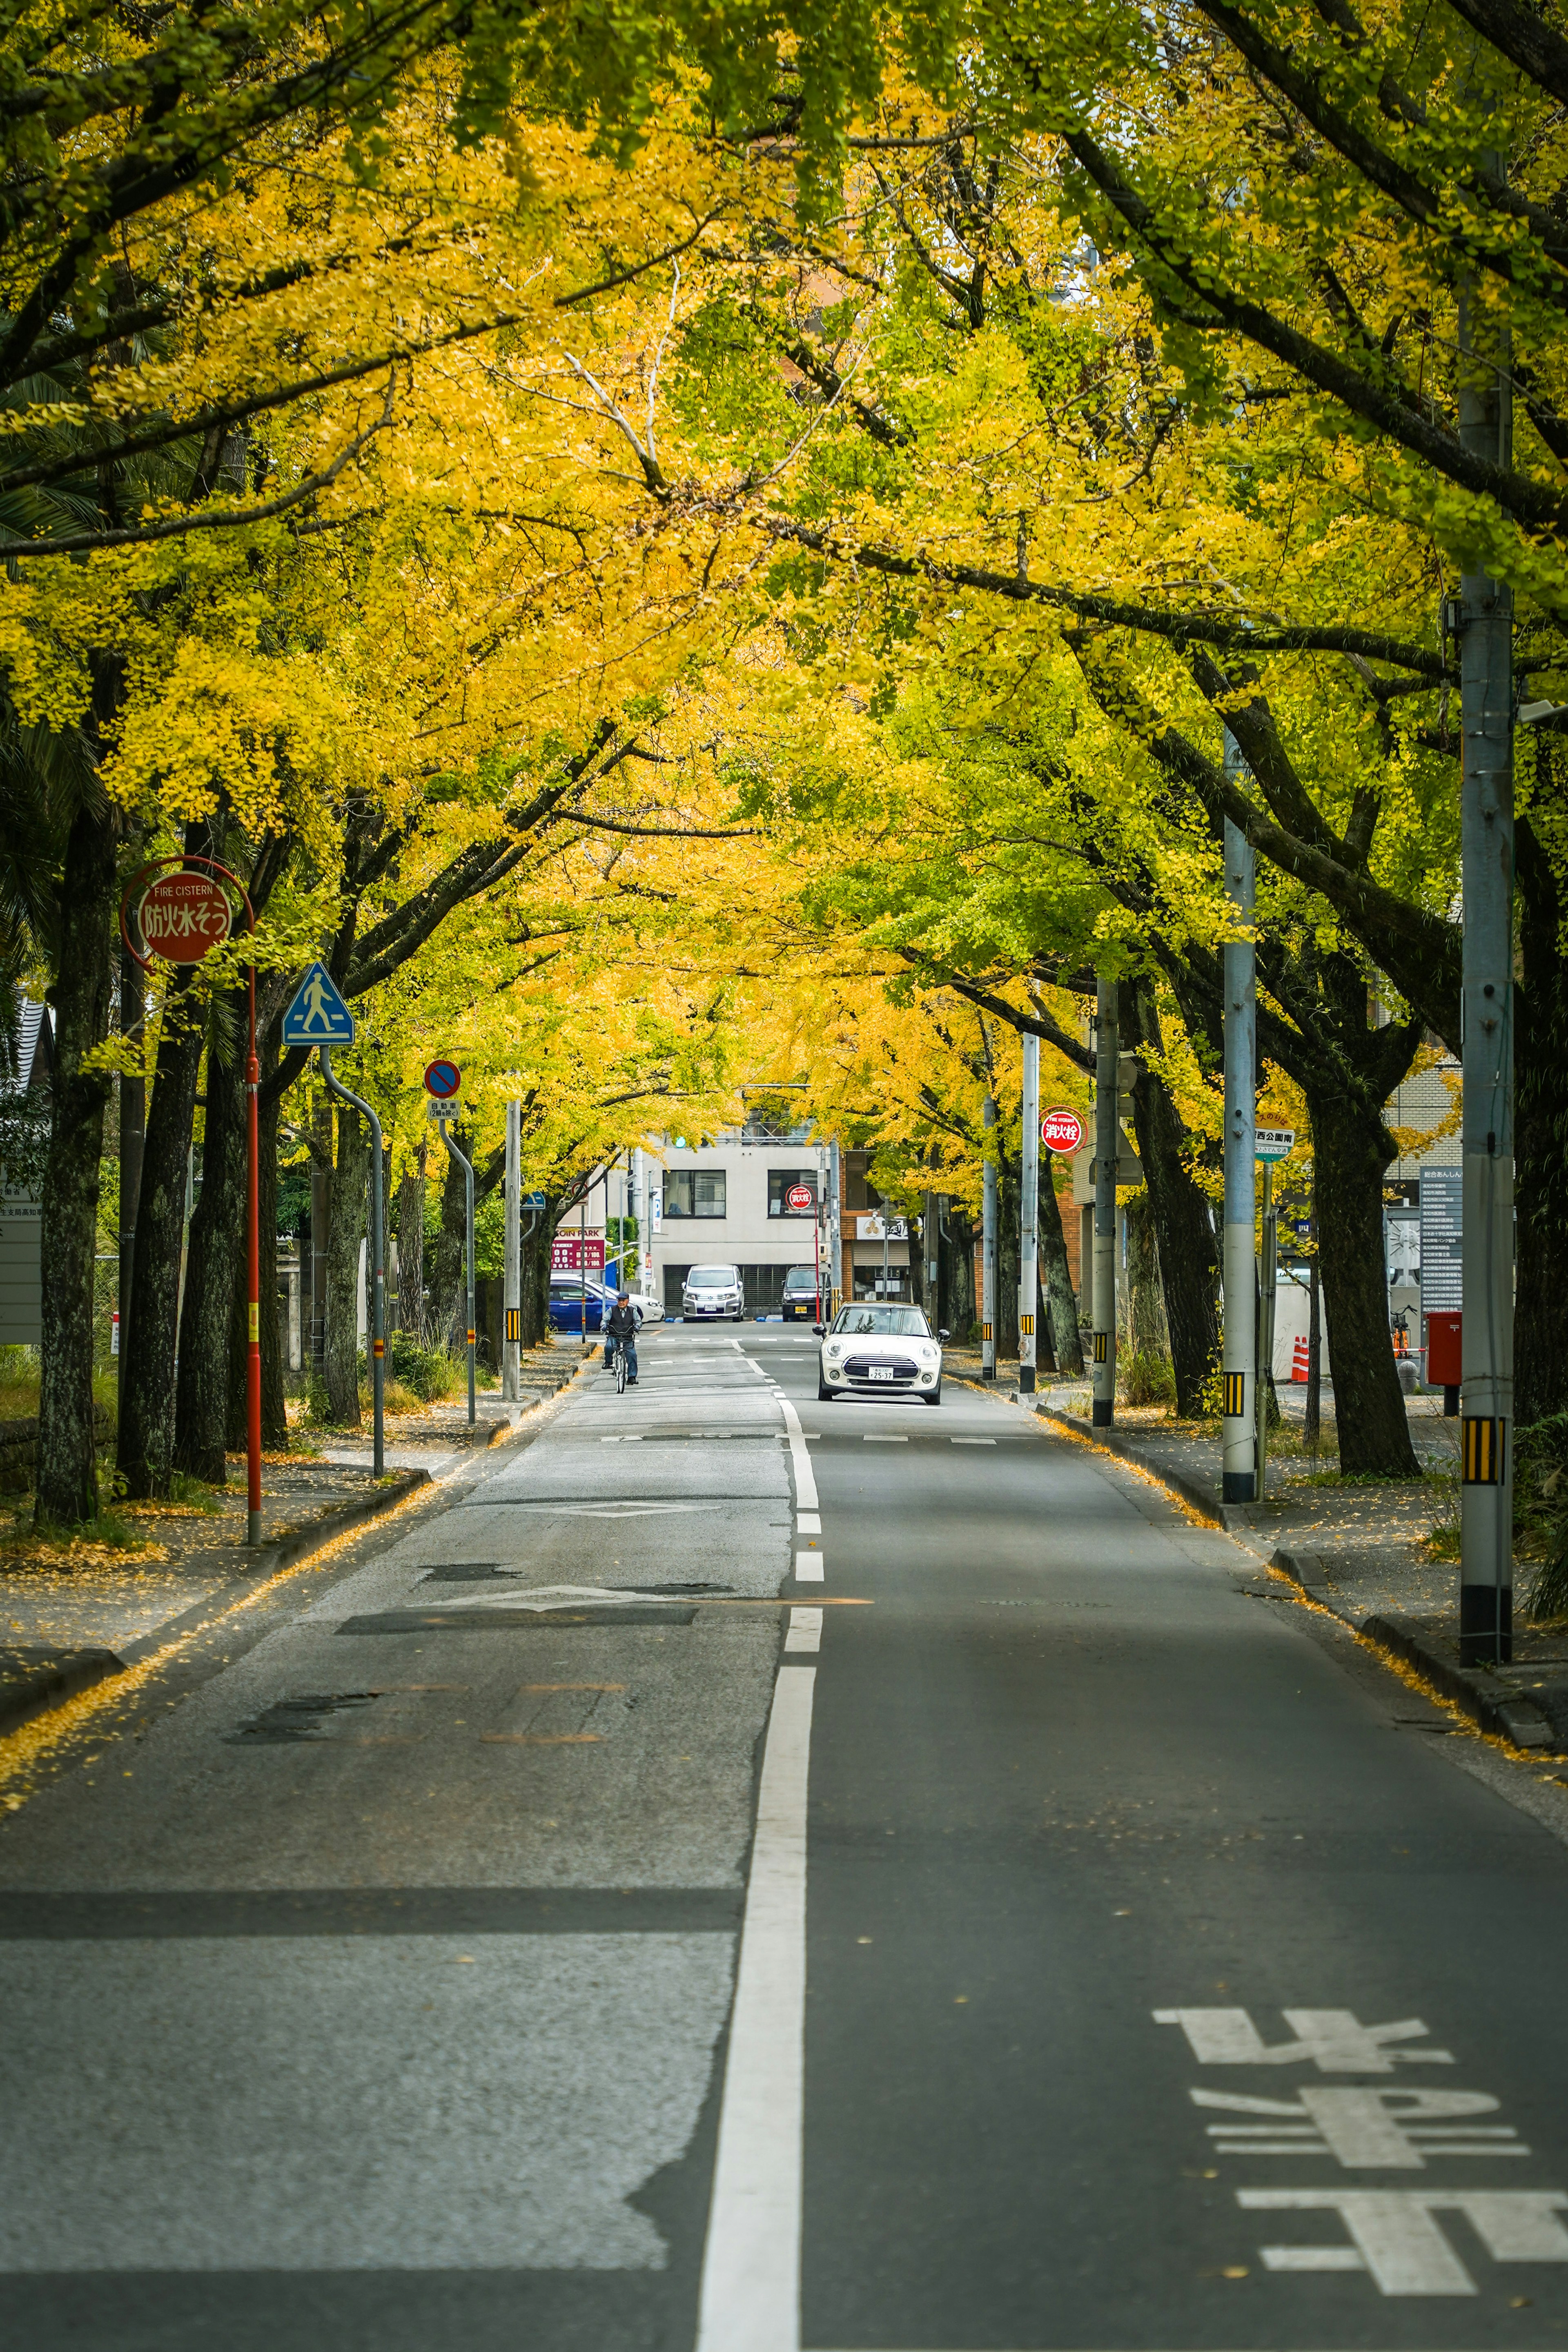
(800, 1461)
(867, 1439)
(751, 2264)
(974, 1441)
(809, 1522)
(809, 1568)
(805, 1630)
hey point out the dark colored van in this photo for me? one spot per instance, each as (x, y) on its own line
(799, 1302)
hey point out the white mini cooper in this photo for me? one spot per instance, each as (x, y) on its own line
(871, 1350)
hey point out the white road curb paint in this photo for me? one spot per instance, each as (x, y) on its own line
(805, 1479)
(751, 2265)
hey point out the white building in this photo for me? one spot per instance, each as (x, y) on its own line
(729, 1203)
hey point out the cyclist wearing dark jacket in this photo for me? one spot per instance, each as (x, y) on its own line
(622, 1324)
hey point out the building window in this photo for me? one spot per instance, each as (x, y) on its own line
(693, 1192)
(781, 1182)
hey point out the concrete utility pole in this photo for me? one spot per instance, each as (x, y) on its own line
(377, 1283)
(1483, 624)
(1107, 1074)
(989, 1256)
(1029, 1215)
(930, 1241)
(512, 1327)
(836, 1221)
(1237, 1259)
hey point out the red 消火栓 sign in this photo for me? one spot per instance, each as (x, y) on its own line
(183, 915)
(799, 1196)
(1061, 1130)
(572, 1253)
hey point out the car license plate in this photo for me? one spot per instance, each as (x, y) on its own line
(883, 1372)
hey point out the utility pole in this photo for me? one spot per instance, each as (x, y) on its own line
(378, 1283)
(836, 1198)
(1483, 624)
(988, 1254)
(1107, 1077)
(1238, 1260)
(1029, 1215)
(133, 1136)
(1268, 1286)
(931, 1242)
(512, 1304)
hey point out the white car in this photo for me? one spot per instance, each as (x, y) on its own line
(648, 1308)
(712, 1291)
(870, 1350)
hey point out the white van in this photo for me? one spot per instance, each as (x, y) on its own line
(712, 1291)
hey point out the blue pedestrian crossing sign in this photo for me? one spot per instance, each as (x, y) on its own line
(318, 1015)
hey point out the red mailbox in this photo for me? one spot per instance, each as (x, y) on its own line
(1443, 1357)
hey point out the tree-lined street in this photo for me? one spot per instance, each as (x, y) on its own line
(1168, 1972)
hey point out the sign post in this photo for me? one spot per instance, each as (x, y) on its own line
(1028, 1220)
(182, 913)
(1238, 1261)
(1270, 1144)
(318, 1017)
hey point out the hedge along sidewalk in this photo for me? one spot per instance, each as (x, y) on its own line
(1361, 1552)
(72, 1616)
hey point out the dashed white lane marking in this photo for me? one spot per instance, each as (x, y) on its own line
(809, 1567)
(751, 2264)
(973, 1441)
(805, 1630)
(810, 1523)
(868, 1439)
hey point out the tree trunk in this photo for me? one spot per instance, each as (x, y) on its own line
(273, 1394)
(411, 1251)
(1184, 1229)
(1009, 1248)
(1540, 1134)
(957, 1275)
(214, 1267)
(1147, 1331)
(67, 1469)
(1350, 1152)
(1056, 1278)
(346, 1229)
(132, 1127)
(146, 1454)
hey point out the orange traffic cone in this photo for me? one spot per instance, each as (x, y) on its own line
(1299, 1361)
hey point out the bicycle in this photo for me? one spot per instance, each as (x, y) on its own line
(618, 1359)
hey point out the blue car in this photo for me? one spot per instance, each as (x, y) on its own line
(566, 1303)
(574, 1306)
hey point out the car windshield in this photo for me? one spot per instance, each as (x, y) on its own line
(711, 1277)
(881, 1323)
(799, 1278)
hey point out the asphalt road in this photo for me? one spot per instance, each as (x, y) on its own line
(1125, 1962)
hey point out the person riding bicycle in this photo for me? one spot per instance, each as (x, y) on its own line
(622, 1324)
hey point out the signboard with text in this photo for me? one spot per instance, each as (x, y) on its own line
(574, 1253)
(1061, 1130)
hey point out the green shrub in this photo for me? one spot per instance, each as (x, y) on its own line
(1147, 1377)
(430, 1373)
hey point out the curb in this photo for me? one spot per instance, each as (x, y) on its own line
(1230, 1517)
(1510, 1715)
(50, 1678)
(1507, 1714)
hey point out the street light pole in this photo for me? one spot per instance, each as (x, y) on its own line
(1238, 1257)
(1484, 625)
(988, 1252)
(1107, 1082)
(836, 1227)
(512, 1304)
(1028, 1218)
(378, 1257)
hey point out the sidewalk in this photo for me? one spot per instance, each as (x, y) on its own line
(71, 1615)
(1362, 1551)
